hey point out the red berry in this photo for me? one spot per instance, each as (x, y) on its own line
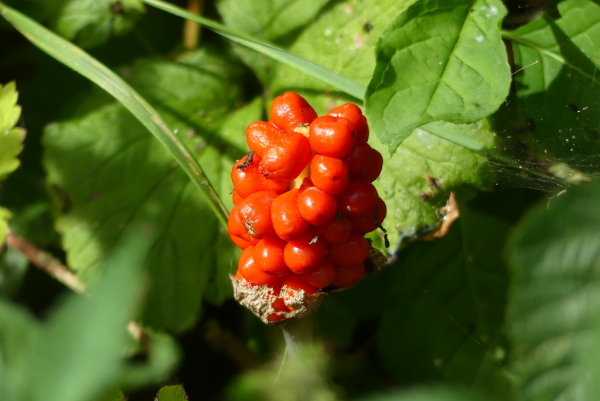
(374, 166)
(358, 198)
(286, 158)
(303, 255)
(349, 275)
(247, 179)
(287, 221)
(289, 110)
(268, 255)
(332, 136)
(248, 270)
(336, 232)
(358, 159)
(367, 222)
(255, 214)
(316, 207)
(295, 283)
(322, 277)
(239, 242)
(237, 228)
(353, 113)
(329, 174)
(261, 135)
(235, 197)
(351, 252)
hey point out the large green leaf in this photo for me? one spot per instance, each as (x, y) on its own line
(559, 86)
(273, 21)
(554, 258)
(445, 305)
(343, 39)
(91, 22)
(11, 142)
(114, 175)
(405, 182)
(438, 61)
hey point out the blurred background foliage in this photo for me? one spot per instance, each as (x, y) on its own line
(501, 307)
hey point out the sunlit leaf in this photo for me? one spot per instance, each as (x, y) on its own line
(438, 61)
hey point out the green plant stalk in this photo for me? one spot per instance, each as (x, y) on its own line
(336, 80)
(78, 60)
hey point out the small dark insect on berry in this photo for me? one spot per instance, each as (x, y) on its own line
(247, 162)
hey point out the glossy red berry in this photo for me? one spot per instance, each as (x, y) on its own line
(251, 273)
(304, 254)
(336, 232)
(287, 221)
(268, 255)
(332, 136)
(237, 228)
(261, 135)
(358, 198)
(289, 110)
(353, 113)
(369, 221)
(351, 252)
(357, 160)
(247, 179)
(286, 158)
(255, 214)
(329, 174)
(293, 283)
(235, 197)
(322, 276)
(349, 275)
(316, 207)
(373, 167)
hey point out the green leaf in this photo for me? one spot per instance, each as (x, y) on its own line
(115, 175)
(437, 393)
(558, 87)
(455, 286)
(171, 393)
(553, 299)
(17, 338)
(298, 63)
(405, 183)
(273, 21)
(98, 73)
(11, 143)
(87, 334)
(91, 22)
(438, 61)
(342, 39)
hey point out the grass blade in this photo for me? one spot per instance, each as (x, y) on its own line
(78, 60)
(314, 70)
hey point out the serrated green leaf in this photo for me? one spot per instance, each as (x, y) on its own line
(115, 175)
(558, 87)
(438, 61)
(91, 22)
(11, 143)
(553, 300)
(171, 393)
(405, 182)
(455, 286)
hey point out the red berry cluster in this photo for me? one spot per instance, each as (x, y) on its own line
(304, 199)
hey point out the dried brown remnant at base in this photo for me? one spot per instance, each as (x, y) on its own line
(259, 300)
